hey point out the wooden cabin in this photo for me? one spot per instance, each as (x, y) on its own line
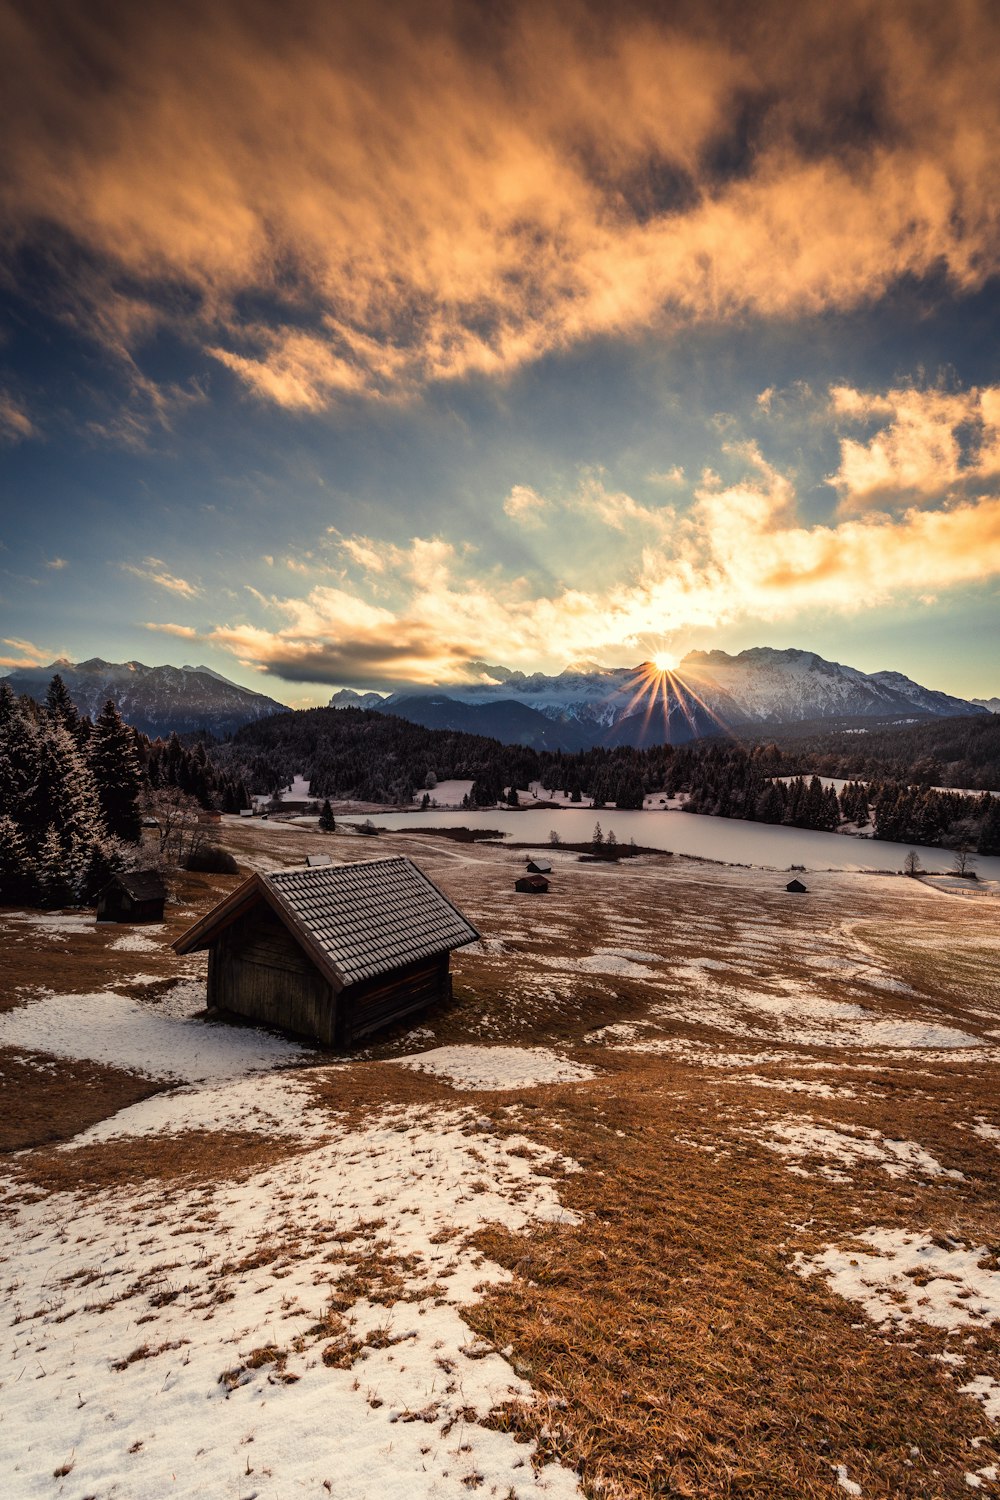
(538, 867)
(532, 885)
(132, 896)
(797, 887)
(331, 953)
(209, 815)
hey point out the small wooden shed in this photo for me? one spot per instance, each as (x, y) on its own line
(538, 867)
(797, 887)
(532, 885)
(331, 953)
(132, 896)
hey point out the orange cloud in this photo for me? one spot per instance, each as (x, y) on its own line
(186, 632)
(929, 442)
(154, 570)
(740, 552)
(420, 192)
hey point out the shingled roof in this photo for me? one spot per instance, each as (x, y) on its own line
(141, 885)
(356, 921)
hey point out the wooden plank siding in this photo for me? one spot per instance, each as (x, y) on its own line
(369, 1006)
(256, 969)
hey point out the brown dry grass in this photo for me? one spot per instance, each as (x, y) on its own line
(678, 1353)
(674, 1348)
(44, 1099)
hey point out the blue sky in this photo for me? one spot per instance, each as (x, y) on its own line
(335, 355)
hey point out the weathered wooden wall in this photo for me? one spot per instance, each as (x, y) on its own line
(257, 970)
(367, 1007)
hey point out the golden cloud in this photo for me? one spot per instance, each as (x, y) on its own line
(929, 442)
(186, 632)
(741, 552)
(419, 191)
(154, 570)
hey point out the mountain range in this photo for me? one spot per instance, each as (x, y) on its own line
(156, 700)
(709, 692)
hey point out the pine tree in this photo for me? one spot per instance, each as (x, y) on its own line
(327, 821)
(53, 879)
(61, 706)
(17, 868)
(989, 833)
(19, 755)
(118, 775)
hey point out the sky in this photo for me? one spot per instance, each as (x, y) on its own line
(363, 344)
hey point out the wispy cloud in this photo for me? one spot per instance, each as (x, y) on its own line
(419, 194)
(740, 552)
(15, 423)
(57, 563)
(524, 505)
(154, 570)
(185, 632)
(29, 655)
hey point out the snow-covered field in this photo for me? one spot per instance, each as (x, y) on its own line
(264, 1280)
(215, 1340)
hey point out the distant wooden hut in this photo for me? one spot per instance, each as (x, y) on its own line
(532, 885)
(209, 815)
(332, 953)
(538, 867)
(132, 896)
(797, 887)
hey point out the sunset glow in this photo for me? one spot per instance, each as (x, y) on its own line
(374, 346)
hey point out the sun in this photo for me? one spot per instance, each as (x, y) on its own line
(663, 661)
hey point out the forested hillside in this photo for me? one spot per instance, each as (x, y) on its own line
(74, 795)
(960, 753)
(375, 757)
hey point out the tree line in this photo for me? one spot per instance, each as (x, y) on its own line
(356, 753)
(74, 794)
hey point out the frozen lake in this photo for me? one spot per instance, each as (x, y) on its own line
(728, 839)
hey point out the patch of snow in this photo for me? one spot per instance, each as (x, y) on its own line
(987, 1390)
(136, 942)
(985, 1130)
(811, 1086)
(187, 1342)
(113, 1029)
(798, 1137)
(486, 1068)
(850, 1485)
(56, 924)
(900, 1278)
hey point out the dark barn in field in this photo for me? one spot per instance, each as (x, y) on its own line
(531, 885)
(133, 896)
(796, 887)
(332, 953)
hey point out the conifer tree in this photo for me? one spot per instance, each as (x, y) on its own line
(327, 822)
(17, 868)
(117, 774)
(61, 706)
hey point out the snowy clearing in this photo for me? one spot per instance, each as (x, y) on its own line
(901, 1278)
(294, 1331)
(486, 1068)
(111, 1028)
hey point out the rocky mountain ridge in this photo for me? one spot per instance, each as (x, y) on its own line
(709, 692)
(156, 700)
